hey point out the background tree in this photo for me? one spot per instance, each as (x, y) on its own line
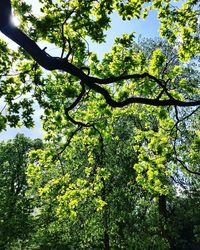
(114, 180)
(104, 191)
(15, 207)
(88, 196)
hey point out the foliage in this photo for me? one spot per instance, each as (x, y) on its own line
(91, 18)
(124, 76)
(91, 188)
(15, 207)
(121, 131)
(108, 185)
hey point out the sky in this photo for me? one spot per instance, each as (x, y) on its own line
(146, 28)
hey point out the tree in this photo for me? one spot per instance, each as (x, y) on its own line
(114, 189)
(72, 21)
(123, 77)
(87, 195)
(15, 207)
(113, 181)
(88, 110)
(78, 73)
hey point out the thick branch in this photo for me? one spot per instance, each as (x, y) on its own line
(40, 56)
(135, 77)
(54, 63)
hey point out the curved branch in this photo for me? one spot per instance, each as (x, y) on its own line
(183, 163)
(186, 168)
(69, 140)
(135, 77)
(153, 102)
(40, 56)
(78, 99)
(54, 63)
(73, 105)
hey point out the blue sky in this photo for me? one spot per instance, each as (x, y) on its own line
(146, 28)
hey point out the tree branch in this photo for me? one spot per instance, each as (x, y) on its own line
(55, 63)
(73, 105)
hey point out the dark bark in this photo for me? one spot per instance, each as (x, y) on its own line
(54, 63)
(162, 204)
(5, 13)
(105, 220)
(106, 241)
